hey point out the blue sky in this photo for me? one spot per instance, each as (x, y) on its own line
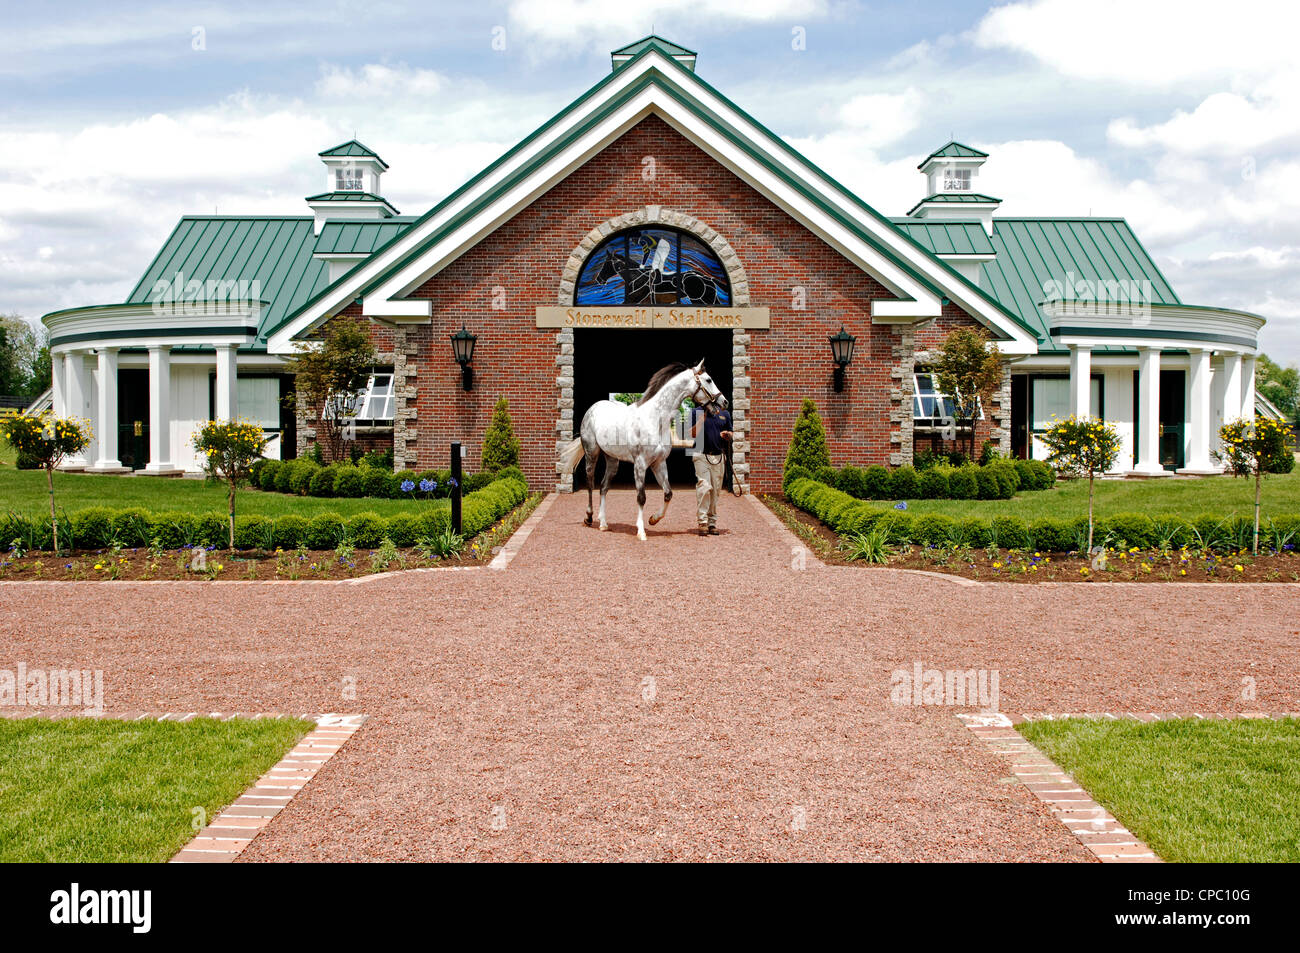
(1182, 117)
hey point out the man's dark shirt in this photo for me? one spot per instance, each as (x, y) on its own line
(714, 424)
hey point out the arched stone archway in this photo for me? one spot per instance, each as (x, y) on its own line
(740, 382)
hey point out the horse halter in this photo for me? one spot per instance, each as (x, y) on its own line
(715, 399)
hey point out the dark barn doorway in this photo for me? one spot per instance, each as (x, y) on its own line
(133, 417)
(620, 362)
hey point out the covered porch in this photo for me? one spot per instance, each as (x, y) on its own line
(1168, 377)
(146, 381)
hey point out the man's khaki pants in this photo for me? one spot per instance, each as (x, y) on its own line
(708, 487)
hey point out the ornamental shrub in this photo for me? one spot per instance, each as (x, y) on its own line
(500, 445)
(511, 473)
(473, 482)
(1025, 473)
(1133, 529)
(378, 459)
(897, 526)
(282, 475)
(46, 440)
(267, 473)
(1248, 448)
(92, 528)
(379, 483)
(173, 529)
(933, 528)
(211, 529)
(1052, 535)
(348, 482)
(905, 483)
(1045, 476)
(291, 531)
(933, 483)
(228, 449)
(1007, 481)
(1085, 447)
(435, 519)
(365, 529)
(324, 531)
(253, 532)
(1010, 532)
(808, 440)
(852, 480)
(131, 527)
(961, 484)
(790, 475)
(975, 531)
(876, 483)
(403, 529)
(986, 483)
(322, 481)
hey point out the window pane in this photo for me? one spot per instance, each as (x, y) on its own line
(1051, 395)
(259, 401)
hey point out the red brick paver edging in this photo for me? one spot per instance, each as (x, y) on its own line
(231, 831)
(1094, 826)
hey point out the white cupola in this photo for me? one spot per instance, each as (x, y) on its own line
(351, 186)
(950, 174)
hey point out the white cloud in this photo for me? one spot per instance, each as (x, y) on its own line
(376, 81)
(882, 118)
(606, 24)
(1153, 42)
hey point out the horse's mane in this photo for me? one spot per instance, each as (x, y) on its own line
(660, 378)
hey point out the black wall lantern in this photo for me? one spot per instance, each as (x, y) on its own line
(462, 346)
(842, 353)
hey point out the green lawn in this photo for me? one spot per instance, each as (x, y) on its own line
(1225, 496)
(89, 790)
(1196, 791)
(25, 491)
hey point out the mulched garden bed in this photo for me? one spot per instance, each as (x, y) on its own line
(1001, 565)
(140, 564)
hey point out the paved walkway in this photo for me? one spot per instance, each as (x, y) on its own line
(682, 698)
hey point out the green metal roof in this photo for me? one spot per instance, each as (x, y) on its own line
(954, 150)
(274, 251)
(654, 39)
(1034, 251)
(946, 238)
(353, 148)
(967, 198)
(352, 238)
(352, 197)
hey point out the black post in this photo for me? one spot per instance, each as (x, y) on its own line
(455, 489)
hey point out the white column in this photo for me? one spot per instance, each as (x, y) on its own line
(1199, 412)
(1248, 386)
(77, 403)
(160, 411)
(1231, 387)
(1080, 380)
(1148, 422)
(58, 385)
(227, 390)
(106, 407)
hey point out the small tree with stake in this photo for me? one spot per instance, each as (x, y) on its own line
(229, 449)
(1082, 447)
(47, 440)
(969, 371)
(1253, 447)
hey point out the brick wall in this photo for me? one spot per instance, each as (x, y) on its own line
(495, 287)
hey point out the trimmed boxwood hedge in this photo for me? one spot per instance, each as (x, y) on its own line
(846, 515)
(100, 527)
(998, 480)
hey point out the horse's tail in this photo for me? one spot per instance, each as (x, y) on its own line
(570, 455)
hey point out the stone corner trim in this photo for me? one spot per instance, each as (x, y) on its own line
(1091, 824)
(231, 831)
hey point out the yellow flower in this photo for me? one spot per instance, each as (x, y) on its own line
(1239, 568)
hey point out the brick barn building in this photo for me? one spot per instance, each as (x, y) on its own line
(653, 221)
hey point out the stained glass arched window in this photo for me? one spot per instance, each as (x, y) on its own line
(652, 266)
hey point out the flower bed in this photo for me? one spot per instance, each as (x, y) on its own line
(306, 477)
(1135, 548)
(103, 527)
(206, 562)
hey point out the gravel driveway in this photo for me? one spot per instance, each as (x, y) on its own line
(683, 698)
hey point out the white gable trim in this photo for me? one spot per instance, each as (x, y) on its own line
(387, 300)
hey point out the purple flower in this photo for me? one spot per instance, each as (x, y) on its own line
(901, 505)
(407, 486)
(453, 483)
(428, 486)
